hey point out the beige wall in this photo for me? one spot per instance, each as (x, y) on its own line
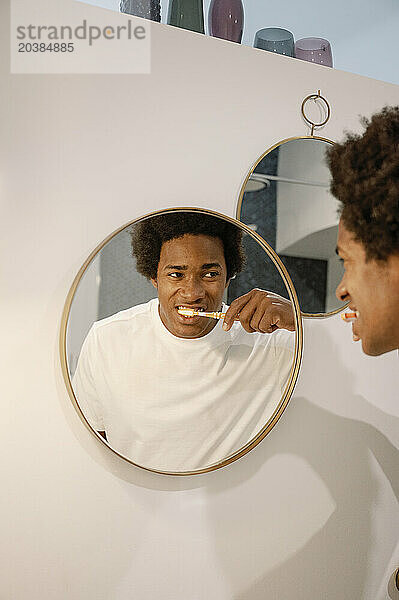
(311, 512)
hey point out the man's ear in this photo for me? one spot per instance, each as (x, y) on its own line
(154, 283)
(227, 284)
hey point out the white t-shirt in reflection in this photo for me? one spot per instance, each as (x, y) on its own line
(178, 404)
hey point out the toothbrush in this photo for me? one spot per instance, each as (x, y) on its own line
(191, 312)
(349, 317)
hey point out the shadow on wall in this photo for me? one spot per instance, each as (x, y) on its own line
(334, 563)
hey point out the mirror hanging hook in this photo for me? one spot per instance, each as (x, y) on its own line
(315, 98)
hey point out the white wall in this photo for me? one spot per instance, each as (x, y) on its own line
(312, 511)
(362, 33)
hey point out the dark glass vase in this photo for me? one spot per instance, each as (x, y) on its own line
(148, 9)
(275, 39)
(226, 19)
(187, 14)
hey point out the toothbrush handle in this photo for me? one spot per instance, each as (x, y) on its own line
(217, 315)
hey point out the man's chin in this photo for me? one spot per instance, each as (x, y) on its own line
(192, 330)
(375, 348)
(187, 336)
(187, 327)
(369, 351)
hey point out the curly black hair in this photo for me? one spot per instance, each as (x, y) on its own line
(148, 235)
(365, 179)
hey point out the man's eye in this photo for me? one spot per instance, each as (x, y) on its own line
(211, 274)
(175, 275)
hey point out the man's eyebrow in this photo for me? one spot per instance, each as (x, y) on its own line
(176, 267)
(211, 265)
(185, 267)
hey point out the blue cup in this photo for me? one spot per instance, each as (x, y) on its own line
(274, 39)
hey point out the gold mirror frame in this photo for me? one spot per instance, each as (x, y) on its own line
(241, 196)
(294, 372)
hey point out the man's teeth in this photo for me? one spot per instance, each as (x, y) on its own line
(189, 308)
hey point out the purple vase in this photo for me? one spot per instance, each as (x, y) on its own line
(226, 19)
(315, 50)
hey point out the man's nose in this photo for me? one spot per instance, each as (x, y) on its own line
(341, 292)
(193, 288)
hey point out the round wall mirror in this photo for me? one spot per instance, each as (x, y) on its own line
(286, 200)
(168, 390)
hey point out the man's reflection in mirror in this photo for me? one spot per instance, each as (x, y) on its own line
(174, 392)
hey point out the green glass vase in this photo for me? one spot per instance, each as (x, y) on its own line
(188, 14)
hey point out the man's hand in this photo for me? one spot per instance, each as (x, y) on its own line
(260, 311)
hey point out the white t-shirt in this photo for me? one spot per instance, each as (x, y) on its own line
(178, 404)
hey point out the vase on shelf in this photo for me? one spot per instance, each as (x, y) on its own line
(148, 9)
(226, 19)
(315, 50)
(187, 14)
(275, 39)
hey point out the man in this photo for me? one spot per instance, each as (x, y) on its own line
(365, 179)
(179, 393)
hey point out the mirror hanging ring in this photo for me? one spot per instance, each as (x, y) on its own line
(315, 97)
